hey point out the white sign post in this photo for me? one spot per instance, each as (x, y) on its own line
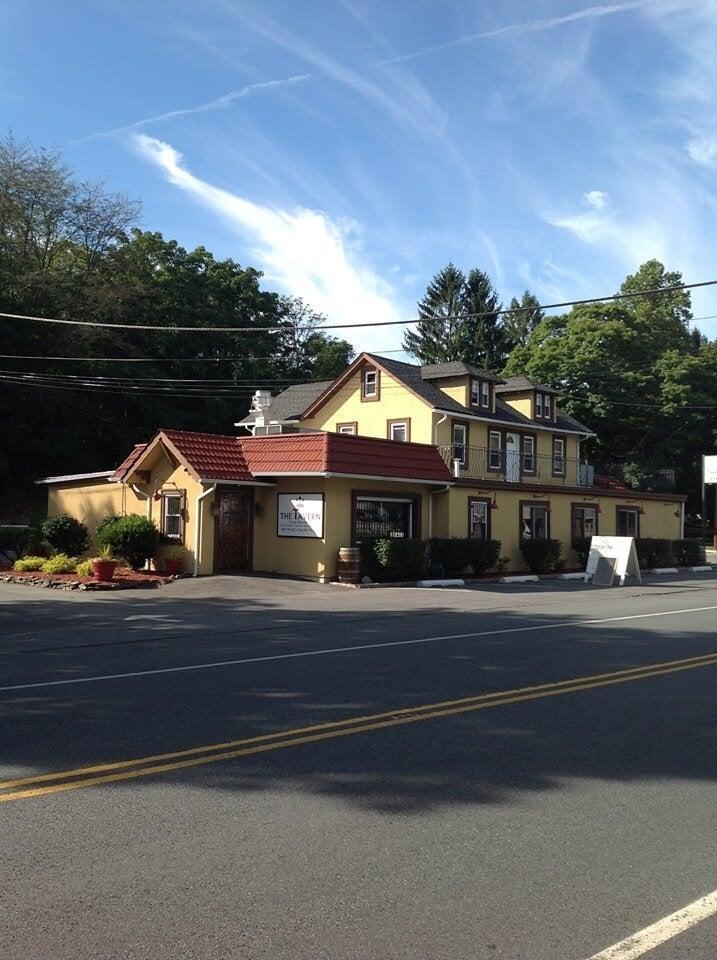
(621, 550)
(300, 515)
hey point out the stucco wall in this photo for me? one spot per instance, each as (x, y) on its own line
(317, 558)
(658, 520)
(89, 502)
(372, 416)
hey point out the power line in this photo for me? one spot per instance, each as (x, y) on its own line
(242, 392)
(658, 291)
(21, 356)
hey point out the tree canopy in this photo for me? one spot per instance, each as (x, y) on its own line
(444, 332)
(69, 250)
(635, 372)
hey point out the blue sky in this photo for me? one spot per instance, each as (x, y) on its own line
(350, 148)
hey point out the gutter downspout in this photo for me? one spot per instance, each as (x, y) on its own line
(430, 507)
(436, 425)
(143, 496)
(198, 531)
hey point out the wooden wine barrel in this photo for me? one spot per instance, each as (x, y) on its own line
(349, 565)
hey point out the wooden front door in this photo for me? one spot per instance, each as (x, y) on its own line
(234, 526)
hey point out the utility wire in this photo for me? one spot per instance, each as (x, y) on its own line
(658, 291)
(241, 392)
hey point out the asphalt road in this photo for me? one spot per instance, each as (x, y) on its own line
(442, 791)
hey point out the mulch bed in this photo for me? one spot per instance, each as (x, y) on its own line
(124, 579)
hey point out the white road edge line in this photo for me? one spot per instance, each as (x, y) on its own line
(657, 933)
(557, 625)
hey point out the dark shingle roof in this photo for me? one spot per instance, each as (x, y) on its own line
(565, 422)
(437, 371)
(410, 375)
(513, 384)
(291, 403)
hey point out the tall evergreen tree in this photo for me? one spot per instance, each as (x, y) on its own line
(519, 325)
(448, 329)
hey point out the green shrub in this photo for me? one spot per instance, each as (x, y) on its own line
(84, 568)
(106, 521)
(688, 553)
(450, 557)
(581, 545)
(28, 564)
(654, 552)
(65, 534)
(542, 555)
(133, 538)
(393, 559)
(60, 563)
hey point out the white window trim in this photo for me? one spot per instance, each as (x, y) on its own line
(538, 405)
(463, 443)
(366, 375)
(399, 423)
(485, 394)
(547, 406)
(166, 496)
(475, 389)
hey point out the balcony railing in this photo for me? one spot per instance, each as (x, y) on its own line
(480, 463)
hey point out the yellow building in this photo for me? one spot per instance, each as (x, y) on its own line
(387, 448)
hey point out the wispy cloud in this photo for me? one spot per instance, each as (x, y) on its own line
(703, 150)
(527, 26)
(304, 252)
(596, 198)
(221, 103)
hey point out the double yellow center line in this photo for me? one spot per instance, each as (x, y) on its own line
(42, 784)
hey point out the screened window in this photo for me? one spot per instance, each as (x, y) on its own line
(398, 430)
(538, 405)
(584, 522)
(534, 521)
(495, 450)
(479, 519)
(627, 522)
(558, 456)
(460, 443)
(172, 516)
(369, 385)
(529, 454)
(547, 406)
(475, 392)
(484, 393)
(379, 517)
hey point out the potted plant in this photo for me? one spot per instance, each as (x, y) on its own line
(103, 565)
(173, 563)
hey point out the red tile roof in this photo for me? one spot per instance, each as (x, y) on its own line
(211, 455)
(214, 457)
(344, 454)
(129, 461)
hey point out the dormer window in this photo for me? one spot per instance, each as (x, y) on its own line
(370, 384)
(480, 393)
(543, 406)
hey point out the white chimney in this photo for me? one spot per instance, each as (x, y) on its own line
(260, 402)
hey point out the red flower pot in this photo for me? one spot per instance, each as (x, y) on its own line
(172, 567)
(103, 570)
